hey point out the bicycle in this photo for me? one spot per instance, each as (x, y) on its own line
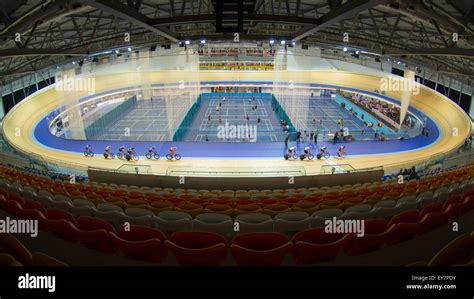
(291, 154)
(88, 154)
(132, 157)
(107, 155)
(175, 156)
(323, 153)
(152, 155)
(121, 155)
(307, 154)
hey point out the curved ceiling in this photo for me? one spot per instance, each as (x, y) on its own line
(36, 34)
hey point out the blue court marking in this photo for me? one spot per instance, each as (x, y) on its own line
(233, 112)
(246, 150)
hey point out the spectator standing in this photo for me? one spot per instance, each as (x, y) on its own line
(316, 133)
(286, 139)
(413, 175)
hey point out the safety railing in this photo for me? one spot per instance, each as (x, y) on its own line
(136, 168)
(437, 160)
(236, 171)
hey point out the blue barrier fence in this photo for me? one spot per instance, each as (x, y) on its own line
(236, 94)
(97, 128)
(178, 135)
(282, 114)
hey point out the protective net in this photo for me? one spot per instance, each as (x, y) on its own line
(140, 97)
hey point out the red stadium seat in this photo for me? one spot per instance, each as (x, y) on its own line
(275, 209)
(453, 199)
(89, 223)
(223, 201)
(137, 202)
(13, 207)
(430, 221)
(16, 197)
(315, 245)
(62, 228)
(375, 236)
(329, 204)
(32, 214)
(114, 199)
(199, 201)
(153, 198)
(266, 202)
(190, 208)
(469, 192)
(4, 192)
(244, 201)
(9, 244)
(305, 206)
(3, 201)
(142, 243)
(332, 195)
(76, 193)
(313, 198)
(436, 207)
(160, 206)
(457, 251)
(175, 200)
(406, 226)
(30, 204)
(53, 213)
(219, 208)
(411, 216)
(93, 233)
(467, 203)
(247, 208)
(290, 201)
(260, 249)
(198, 248)
(452, 211)
(136, 195)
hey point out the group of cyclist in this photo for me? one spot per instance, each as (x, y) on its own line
(308, 154)
(130, 153)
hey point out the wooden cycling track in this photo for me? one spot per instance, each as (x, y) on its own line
(21, 120)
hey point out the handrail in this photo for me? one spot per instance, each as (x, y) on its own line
(427, 160)
(281, 171)
(394, 166)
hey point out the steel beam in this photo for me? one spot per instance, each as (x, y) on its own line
(208, 18)
(37, 52)
(345, 11)
(123, 12)
(458, 52)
